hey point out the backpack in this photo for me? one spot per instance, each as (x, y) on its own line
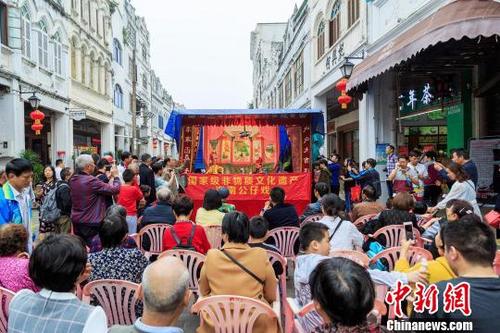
(179, 245)
(48, 210)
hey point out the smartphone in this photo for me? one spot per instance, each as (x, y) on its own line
(108, 168)
(409, 230)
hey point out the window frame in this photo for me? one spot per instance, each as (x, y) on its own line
(352, 12)
(334, 24)
(43, 46)
(298, 76)
(26, 29)
(117, 52)
(118, 97)
(320, 43)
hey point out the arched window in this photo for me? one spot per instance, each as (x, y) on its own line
(26, 32)
(117, 51)
(321, 39)
(352, 12)
(118, 97)
(58, 61)
(43, 46)
(334, 24)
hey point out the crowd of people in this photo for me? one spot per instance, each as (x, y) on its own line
(89, 217)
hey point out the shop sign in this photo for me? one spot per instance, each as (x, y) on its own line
(78, 115)
(414, 97)
(335, 56)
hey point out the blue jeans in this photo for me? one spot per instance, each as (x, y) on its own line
(132, 224)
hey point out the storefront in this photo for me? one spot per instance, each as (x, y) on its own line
(86, 137)
(39, 143)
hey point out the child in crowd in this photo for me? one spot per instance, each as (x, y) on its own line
(258, 235)
(129, 197)
(226, 207)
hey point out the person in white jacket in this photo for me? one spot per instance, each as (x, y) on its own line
(463, 188)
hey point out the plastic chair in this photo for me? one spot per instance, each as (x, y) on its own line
(394, 234)
(193, 262)
(311, 218)
(214, 235)
(284, 239)
(361, 221)
(392, 255)
(496, 263)
(232, 313)
(5, 297)
(118, 298)
(355, 256)
(277, 258)
(154, 232)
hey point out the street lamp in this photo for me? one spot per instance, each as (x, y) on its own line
(34, 101)
(346, 68)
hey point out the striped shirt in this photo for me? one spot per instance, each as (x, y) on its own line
(88, 195)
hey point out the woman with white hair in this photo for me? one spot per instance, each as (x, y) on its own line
(162, 212)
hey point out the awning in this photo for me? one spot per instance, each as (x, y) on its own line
(461, 18)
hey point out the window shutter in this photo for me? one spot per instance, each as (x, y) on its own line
(40, 49)
(332, 31)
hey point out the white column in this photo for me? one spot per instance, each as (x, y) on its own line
(12, 125)
(107, 137)
(61, 134)
(319, 102)
(367, 136)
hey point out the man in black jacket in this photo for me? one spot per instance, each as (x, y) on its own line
(63, 200)
(147, 176)
(162, 212)
(277, 212)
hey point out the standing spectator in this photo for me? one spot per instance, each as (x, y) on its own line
(126, 158)
(158, 171)
(48, 183)
(463, 188)
(16, 197)
(368, 205)
(421, 171)
(335, 169)
(461, 157)
(343, 234)
(130, 197)
(162, 212)
(325, 176)
(115, 261)
(369, 176)
(14, 259)
(320, 190)
(3, 177)
(470, 248)
(88, 197)
(221, 275)
(392, 160)
(349, 183)
(403, 177)
(432, 184)
(59, 167)
(209, 214)
(134, 167)
(277, 212)
(226, 207)
(103, 167)
(95, 157)
(185, 233)
(147, 176)
(176, 185)
(63, 200)
(57, 265)
(165, 293)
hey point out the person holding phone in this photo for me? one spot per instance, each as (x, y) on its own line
(403, 178)
(103, 167)
(277, 212)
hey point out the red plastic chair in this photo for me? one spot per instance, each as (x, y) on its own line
(118, 298)
(284, 239)
(277, 258)
(232, 313)
(361, 221)
(394, 234)
(193, 262)
(214, 235)
(356, 256)
(311, 218)
(392, 255)
(5, 297)
(496, 263)
(155, 234)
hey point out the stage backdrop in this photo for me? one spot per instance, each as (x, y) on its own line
(250, 192)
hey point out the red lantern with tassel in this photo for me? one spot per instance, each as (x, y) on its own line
(37, 116)
(344, 100)
(341, 85)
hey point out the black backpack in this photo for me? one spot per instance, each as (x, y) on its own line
(180, 246)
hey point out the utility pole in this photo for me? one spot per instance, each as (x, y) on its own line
(134, 102)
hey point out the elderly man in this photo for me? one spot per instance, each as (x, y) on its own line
(162, 212)
(88, 195)
(164, 290)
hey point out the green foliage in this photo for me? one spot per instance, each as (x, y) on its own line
(37, 164)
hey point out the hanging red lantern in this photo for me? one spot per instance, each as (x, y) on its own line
(37, 116)
(37, 128)
(341, 85)
(344, 99)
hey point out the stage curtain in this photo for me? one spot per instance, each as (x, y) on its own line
(174, 128)
(199, 164)
(285, 159)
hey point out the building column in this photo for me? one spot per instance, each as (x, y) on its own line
(367, 136)
(61, 134)
(319, 102)
(102, 79)
(78, 64)
(86, 69)
(107, 137)
(12, 140)
(120, 139)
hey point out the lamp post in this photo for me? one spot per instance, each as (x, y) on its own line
(34, 101)
(347, 66)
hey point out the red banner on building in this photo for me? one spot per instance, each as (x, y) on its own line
(250, 192)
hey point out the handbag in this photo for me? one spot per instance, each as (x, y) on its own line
(356, 193)
(493, 219)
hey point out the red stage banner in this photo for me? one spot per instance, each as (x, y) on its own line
(250, 192)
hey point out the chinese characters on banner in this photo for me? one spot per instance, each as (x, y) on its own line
(415, 96)
(455, 298)
(249, 192)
